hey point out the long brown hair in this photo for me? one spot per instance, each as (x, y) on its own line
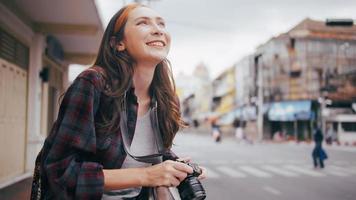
(119, 72)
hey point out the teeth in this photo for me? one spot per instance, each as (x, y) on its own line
(159, 44)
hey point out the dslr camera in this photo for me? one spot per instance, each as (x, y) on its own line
(191, 188)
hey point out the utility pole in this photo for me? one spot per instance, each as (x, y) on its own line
(259, 67)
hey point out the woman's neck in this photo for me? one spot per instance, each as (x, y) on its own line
(142, 79)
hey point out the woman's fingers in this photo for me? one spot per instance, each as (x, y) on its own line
(169, 173)
(182, 167)
(174, 182)
(203, 175)
(180, 175)
(185, 159)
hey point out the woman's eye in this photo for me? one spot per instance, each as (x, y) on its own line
(162, 24)
(142, 23)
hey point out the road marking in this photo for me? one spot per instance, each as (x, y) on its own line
(219, 162)
(256, 162)
(231, 172)
(279, 171)
(334, 172)
(272, 190)
(276, 161)
(341, 162)
(352, 170)
(304, 170)
(211, 174)
(239, 161)
(294, 161)
(255, 172)
(342, 169)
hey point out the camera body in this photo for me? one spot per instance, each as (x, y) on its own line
(191, 188)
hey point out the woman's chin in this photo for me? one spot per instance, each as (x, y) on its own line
(158, 58)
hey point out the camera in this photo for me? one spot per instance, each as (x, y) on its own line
(191, 188)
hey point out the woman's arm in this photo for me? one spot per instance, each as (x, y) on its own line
(68, 175)
(169, 173)
(123, 178)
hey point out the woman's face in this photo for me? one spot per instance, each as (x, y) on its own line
(146, 38)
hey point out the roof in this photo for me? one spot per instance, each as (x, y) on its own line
(76, 24)
(319, 29)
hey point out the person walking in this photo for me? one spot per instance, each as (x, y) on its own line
(129, 92)
(318, 154)
(216, 132)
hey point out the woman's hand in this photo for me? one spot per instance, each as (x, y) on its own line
(203, 175)
(169, 173)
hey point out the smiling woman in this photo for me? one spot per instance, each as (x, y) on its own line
(124, 105)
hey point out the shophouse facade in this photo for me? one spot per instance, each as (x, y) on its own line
(307, 71)
(38, 41)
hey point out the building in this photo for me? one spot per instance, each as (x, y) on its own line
(196, 103)
(224, 102)
(308, 77)
(38, 41)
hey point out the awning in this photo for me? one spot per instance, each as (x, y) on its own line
(291, 111)
(243, 113)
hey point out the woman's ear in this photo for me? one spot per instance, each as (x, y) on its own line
(120, 46)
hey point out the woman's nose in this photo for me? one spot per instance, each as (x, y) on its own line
(157, 30)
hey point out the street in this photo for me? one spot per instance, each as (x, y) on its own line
(269, 171)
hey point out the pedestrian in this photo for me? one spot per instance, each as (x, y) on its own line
(216, 133)
(318, 154)
(238, 130)
(329, 135)
(128, 97)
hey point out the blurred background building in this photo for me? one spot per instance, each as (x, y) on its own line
(293, 83)
(38, 41)
(197, 99)
(302, 82)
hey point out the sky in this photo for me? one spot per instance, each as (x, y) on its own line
(219, 33)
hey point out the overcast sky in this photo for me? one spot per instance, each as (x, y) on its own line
(220, 32)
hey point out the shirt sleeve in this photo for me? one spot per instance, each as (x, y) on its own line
(70, 174)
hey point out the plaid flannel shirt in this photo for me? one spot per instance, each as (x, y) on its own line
(75, 154)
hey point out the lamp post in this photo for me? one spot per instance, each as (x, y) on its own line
(259, 67)
(324, 102)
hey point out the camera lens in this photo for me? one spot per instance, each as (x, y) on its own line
(191, 189)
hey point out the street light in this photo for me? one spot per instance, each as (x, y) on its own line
(259, 67)
(323, 101)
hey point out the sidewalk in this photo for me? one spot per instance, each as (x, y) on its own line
(18, 191)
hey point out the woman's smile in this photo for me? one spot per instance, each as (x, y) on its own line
(156, 43)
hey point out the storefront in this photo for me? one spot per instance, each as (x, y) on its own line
(293, 119)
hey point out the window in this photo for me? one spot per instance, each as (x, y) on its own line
(349, 126)
(13, 50)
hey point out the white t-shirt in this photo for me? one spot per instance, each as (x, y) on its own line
(143, 143)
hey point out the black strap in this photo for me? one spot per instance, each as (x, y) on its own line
(152, 158)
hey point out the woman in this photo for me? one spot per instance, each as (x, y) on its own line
(84, 155)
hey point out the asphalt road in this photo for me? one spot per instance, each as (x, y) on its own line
(269, 171)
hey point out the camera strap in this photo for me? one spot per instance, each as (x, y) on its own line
(152, 158)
